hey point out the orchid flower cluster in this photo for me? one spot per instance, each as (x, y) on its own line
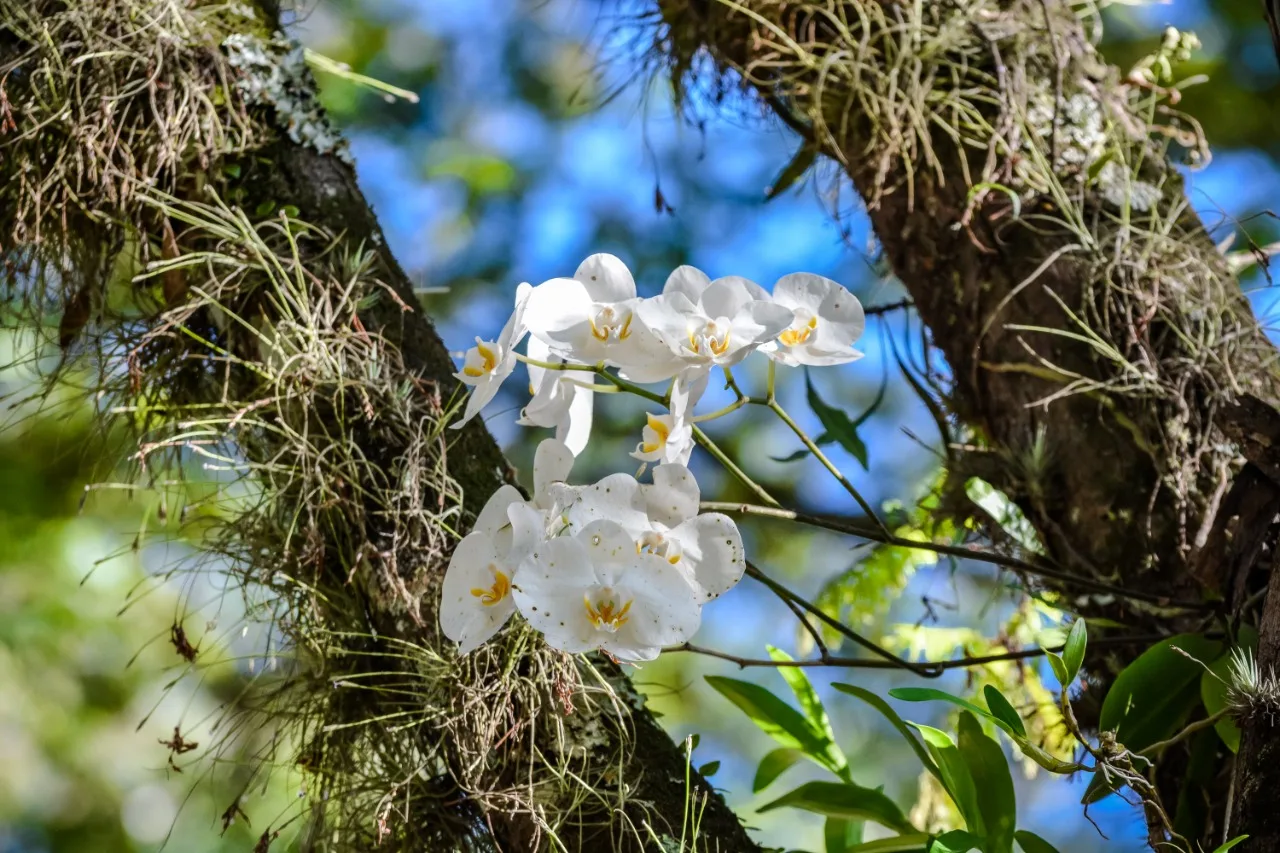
(621, 565)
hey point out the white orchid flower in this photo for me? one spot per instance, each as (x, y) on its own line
(476, 600)
(592, 318)
(562, 399)
(663, 519)
(666, 439)
(826, 320)
(489, 363)
(705, 323)
(597, 590)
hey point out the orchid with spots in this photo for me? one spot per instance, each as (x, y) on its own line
(620, 565)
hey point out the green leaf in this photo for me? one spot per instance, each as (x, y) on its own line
(898, 723)
(914, 842)
(794, 457)
(793, 171)
(1059, 667)
(929, 694)
(774, 717)
(774, 765)
(1073, 651)
(844, 800)
(838, 834)
(1002, 710)
(709, 769)
(955, 841)
(1032, 843)
(1232, 843)
(1213, 689)
(954, 774)
(994, 785)
(836, 423)
(1150, 696)
(810, 704)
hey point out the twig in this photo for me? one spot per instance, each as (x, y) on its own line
(878, 534)
(932, 668)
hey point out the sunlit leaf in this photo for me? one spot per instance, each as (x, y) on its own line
(1003, 711)
(954, 774)
(1223, 848)
(844, 800)
(775, 718)
(1074, 649)
(898, 723)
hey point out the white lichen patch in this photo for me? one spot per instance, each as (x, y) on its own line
(1074, 127)
(274, 73)
(1119, 187)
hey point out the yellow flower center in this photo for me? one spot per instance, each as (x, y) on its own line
(709, 340)
(488, 357)
(609, 323)
(605, 614)
(661, 432)
(501, 589)
(795, 337)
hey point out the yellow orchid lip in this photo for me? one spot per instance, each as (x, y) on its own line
(795, 337)
(605, 613)
(660, 430)
(489, 357)
(603, 330)
(492, 595)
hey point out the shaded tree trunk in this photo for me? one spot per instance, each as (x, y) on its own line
(1100, 347)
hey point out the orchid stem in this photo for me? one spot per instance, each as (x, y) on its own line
(720, 456)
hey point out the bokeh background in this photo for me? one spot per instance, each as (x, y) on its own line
(541, 135)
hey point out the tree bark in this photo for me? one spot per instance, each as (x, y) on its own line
(181, 59)
(1021, 190)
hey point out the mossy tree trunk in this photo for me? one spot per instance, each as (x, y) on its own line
(132, 132)
(1101, 350)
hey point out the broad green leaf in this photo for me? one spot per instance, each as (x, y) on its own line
(1232, 843)
(929, 694)
(811, 705)
(955, 841)
(844, 800)
(709, 769)
(836, 423)
(1073, 651)
(1002, 710)
(838, 834)
(1213, 689)
(898, 723)
(954, 775)
(774, 765)
(994, 785)
(774, 717)
(914, 842)
(1059, 667)
(793, 171)
(1150, 697)
(1032, 843)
